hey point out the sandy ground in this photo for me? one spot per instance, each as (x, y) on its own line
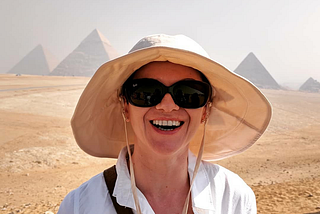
(40, 162)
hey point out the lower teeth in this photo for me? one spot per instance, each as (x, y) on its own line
(165, 129)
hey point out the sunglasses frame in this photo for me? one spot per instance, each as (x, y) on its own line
(127, 91)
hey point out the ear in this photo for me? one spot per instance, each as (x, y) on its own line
(206, 112)
(125, 109)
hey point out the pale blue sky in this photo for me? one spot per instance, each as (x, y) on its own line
(283, 34)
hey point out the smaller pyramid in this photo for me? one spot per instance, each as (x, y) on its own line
(92, 52)
(311, 85)
(39, 61)
(253, 70)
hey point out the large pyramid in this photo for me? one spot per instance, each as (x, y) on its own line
(39, 61)
(311, 85)
(92, 52)
(252, 69)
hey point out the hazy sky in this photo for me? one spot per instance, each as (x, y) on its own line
(283, 34)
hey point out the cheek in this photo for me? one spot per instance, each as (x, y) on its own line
(195, 115)
(136, 116)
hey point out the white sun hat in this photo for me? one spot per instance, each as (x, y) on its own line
(239, 115)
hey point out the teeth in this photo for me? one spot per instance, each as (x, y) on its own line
(165, 129)
(166, 123)
(176, 123)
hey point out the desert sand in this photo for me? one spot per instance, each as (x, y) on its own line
(40, 161)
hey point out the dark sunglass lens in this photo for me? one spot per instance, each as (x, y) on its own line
(145, 93)
(190, 94)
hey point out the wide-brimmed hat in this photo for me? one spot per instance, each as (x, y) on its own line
(239, 115)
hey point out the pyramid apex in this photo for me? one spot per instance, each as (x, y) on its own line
(310, 79)
(252, 69)
(251, 54)
(96, 35)
(311, 85)
(39, 61)
(95, 31)
(92, 52)
(38, 47)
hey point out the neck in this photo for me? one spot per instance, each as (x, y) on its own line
(163, 179)
(157, 174)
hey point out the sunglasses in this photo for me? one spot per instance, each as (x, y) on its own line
(190, 94)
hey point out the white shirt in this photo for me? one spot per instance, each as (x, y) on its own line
(215, 190)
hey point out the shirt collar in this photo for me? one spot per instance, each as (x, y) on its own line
(122, 190)
(200, 192)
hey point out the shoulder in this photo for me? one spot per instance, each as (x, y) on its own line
(90, 196)
(230, 188)
(223, 175)
(67, 205)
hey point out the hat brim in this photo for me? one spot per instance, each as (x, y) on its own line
(239, 116)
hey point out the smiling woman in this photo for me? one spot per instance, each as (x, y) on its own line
(154, 109)
(165, 108)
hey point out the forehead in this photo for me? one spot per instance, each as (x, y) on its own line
(167, 72)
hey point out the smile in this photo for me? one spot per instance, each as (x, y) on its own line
(166, 125)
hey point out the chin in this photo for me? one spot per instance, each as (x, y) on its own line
(168, 148)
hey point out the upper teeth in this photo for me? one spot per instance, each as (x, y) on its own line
(166, 123)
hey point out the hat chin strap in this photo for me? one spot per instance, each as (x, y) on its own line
(133, 180)
(196, 168)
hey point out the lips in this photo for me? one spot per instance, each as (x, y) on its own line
(166, 125)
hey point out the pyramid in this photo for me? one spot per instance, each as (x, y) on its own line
(253, 70)
(39, 61)
(311, 85)
(92, 52)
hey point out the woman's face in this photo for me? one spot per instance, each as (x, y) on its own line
(150, 137)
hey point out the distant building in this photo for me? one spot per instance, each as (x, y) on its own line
(253, 70)
(39, 61)
(311, 85)
(92, 52)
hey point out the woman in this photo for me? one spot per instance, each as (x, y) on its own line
(158, 106)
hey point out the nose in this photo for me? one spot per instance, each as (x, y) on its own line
(167, 104)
